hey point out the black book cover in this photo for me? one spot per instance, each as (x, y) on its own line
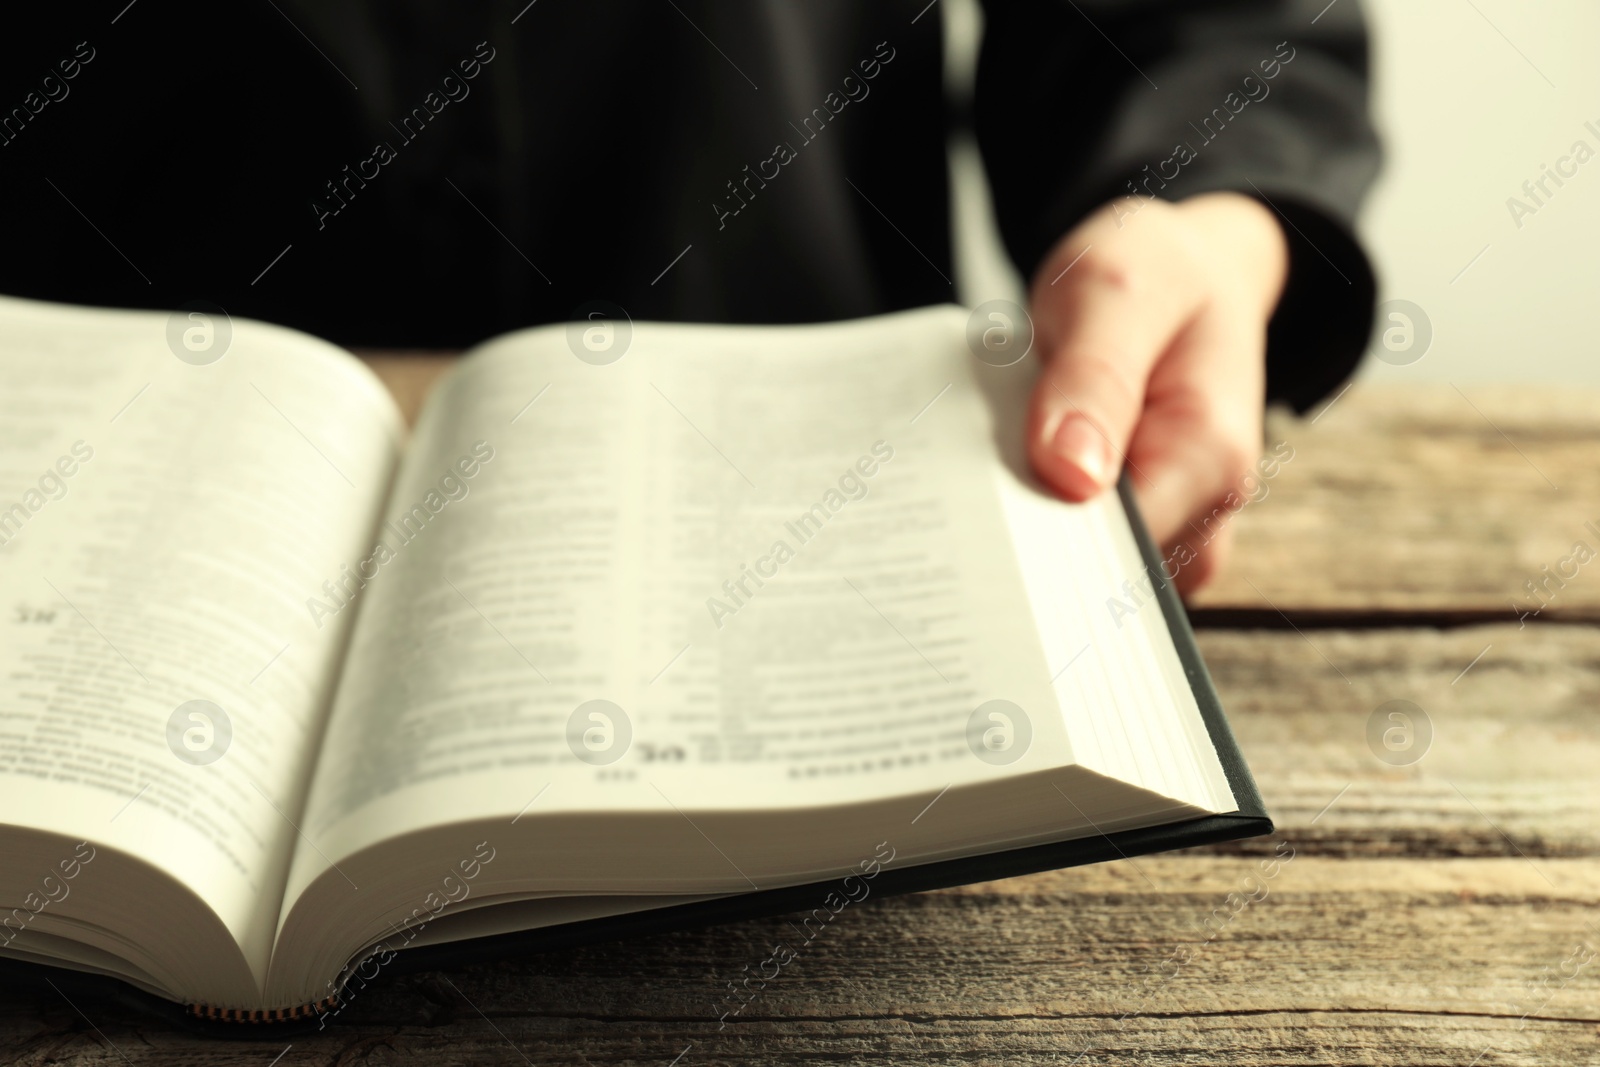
(1251, 820)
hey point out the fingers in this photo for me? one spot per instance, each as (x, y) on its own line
(1199, 440)
(1103, 325)
(1190, 504)
(1153, 333)
(1210, 559)
(1196, 487)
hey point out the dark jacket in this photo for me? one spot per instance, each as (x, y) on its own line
(428, 175)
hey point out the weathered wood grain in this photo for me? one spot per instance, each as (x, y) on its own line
(1336, 961)
(1514, 763)
(1431, 501)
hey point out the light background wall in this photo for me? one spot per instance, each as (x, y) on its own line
(1472, 98)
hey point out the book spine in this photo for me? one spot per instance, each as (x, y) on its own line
(262, 1015)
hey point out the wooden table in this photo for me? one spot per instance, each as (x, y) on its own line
(1445, 912)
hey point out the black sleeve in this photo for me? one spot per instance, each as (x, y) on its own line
(1081, 101)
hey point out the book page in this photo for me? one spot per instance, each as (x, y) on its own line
(1130, 710)
(171, 495)
(735, 569)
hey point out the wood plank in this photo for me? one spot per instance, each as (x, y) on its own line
(1512, 764)
(1028, 970)
(1421, 500)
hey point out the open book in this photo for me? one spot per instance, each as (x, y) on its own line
(644, 623)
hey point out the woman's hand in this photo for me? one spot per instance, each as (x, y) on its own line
(1152, 317)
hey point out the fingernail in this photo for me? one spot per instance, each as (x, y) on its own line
(1080, 444)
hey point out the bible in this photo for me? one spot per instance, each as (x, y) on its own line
(643, 626)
